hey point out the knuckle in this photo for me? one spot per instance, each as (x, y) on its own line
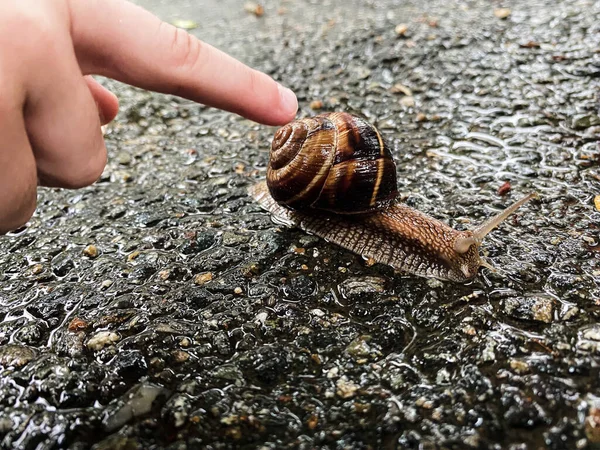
(86, 174)
(89, 173)
(40, 27)
(186, 50)
(20, 211)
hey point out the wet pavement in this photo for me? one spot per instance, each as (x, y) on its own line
(162, 308)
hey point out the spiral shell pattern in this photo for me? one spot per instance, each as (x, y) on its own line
(336, 162)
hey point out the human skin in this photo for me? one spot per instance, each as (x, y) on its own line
(51, 109)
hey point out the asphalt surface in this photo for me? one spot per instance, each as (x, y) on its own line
(162, 308)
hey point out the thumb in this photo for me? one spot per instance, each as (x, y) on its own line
(106, 101)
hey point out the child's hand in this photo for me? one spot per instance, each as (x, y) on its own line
(50, 114)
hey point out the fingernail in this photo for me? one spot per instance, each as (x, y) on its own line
(289, 103)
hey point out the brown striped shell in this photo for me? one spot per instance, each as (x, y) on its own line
(336, 162)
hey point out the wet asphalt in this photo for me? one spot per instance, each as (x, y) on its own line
(162, 308)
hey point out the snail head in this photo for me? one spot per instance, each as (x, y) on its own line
(467, 261)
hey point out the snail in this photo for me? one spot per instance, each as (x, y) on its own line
(333, 176)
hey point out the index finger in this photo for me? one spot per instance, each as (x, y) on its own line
(120, 40)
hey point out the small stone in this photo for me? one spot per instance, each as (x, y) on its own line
(164, 274)
(592, 425)
(177, 410)
(137, 402)
(369, 262)
(234, 433)
(359, 347)
(469, 330)
(421, 118)
(179, 356)
(345, 388)
(77, 324)
(542, 310)
(502, 13)
(529, 44)
(36, 269)
(583, 121)
(535, 307)
(133, 255)
(597, 202)
(317, 312)
(124, 158)
(238, 290)
(202, 278)
(504, 189)
(102, 339)
(399, 88)
(519, 366)
(316, 105)
(407, 102)
(91, 251)
(254, 8)
(14, 355)
(401, 29)
(230, 239)
(250, 270)
(6, 424)
(589, 338)
(570, 313)
(312, 422)
(361, 285)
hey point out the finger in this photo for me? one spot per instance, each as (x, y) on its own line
(62, 119)
(131, 45)
(17, 170)
(106, 102)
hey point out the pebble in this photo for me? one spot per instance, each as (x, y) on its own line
(203, 278)
(91, 251)
(14, 355)
(502, 13)
(401, 29)
(77, 324)
(345, 388)
(316, 105)
(359, 347)
(592, 425)
(137, 402)
(361, 285)
(399, 88)
(589, 338)
(538, 308)
(407, 102)
(504, 189)
(519, 366)
(102, 339)
(254, 8)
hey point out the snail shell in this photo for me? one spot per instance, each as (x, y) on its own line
(333, 176)
(335, 162)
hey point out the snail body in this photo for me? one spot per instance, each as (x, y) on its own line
(333, 176)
